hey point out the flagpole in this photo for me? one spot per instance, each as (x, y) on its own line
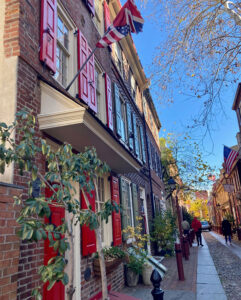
(81, 68)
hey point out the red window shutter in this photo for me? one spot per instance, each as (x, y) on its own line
(108, 96)
(107, 15)
(91, 79)
(91, 6)
(88, 236)
(83, 76)
(116, 217)
(48, 33)
(57, 214)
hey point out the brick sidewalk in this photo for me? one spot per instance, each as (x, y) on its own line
(173, 288)
(171, 281)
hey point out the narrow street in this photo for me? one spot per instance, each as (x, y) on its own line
(227, 260)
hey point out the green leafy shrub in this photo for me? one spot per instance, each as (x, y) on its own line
(164, 231)
(135, 263)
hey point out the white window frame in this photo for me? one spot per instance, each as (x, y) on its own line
(71, 52)
(131, 206)
(119, 58)
(124, 120)
(106, 229)
(143, 198)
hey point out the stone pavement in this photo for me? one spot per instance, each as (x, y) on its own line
(208, 282)
(233, 247)
(173, 288)
(201, 279)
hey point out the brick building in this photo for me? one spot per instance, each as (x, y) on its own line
(42, 45)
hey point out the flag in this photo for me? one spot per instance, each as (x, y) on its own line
(211, 177)
(229, 157)
(128, 20)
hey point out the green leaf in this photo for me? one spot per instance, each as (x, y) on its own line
(38, 235)
(4, 125)
(65, 279)
(27, 233)
(51, 284)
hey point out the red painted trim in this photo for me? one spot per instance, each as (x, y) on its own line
(83, 76)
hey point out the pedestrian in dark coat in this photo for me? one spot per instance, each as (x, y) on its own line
(226, 229)
(197, 227)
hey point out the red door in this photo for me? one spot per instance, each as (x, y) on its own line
(57, 214)
(116, 217)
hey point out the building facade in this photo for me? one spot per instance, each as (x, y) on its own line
(109, 106)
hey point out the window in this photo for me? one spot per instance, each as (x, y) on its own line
(139, 142)
(119, 59)
(157, 205)
(62, 52)
(133, 87)
(100, 204)
(65, 53)
(144, 107)
(99, 17)
(124, 121)
(126, 201)
(104, 195)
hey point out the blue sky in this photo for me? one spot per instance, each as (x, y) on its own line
(174, 117)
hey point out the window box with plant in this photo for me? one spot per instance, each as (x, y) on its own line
(114, 256)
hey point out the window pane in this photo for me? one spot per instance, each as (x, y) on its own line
(60, 24)
(66, 37)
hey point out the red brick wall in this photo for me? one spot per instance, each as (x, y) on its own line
(11, 28)
(9, 242)
(93, 286)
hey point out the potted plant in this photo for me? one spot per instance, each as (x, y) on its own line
(113, 257)
(133, 269)
(136, 253)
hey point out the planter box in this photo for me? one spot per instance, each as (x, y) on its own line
(109, 264)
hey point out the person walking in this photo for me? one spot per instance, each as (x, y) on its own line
(226, 229)
(197, 227)
(185, 226)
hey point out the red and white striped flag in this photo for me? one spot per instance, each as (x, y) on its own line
(128, 20)
(230, 156)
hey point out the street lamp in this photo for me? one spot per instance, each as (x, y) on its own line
(229, 188)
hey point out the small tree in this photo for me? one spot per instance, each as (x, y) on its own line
(64, 168)
(199, 54)
(164, 231)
